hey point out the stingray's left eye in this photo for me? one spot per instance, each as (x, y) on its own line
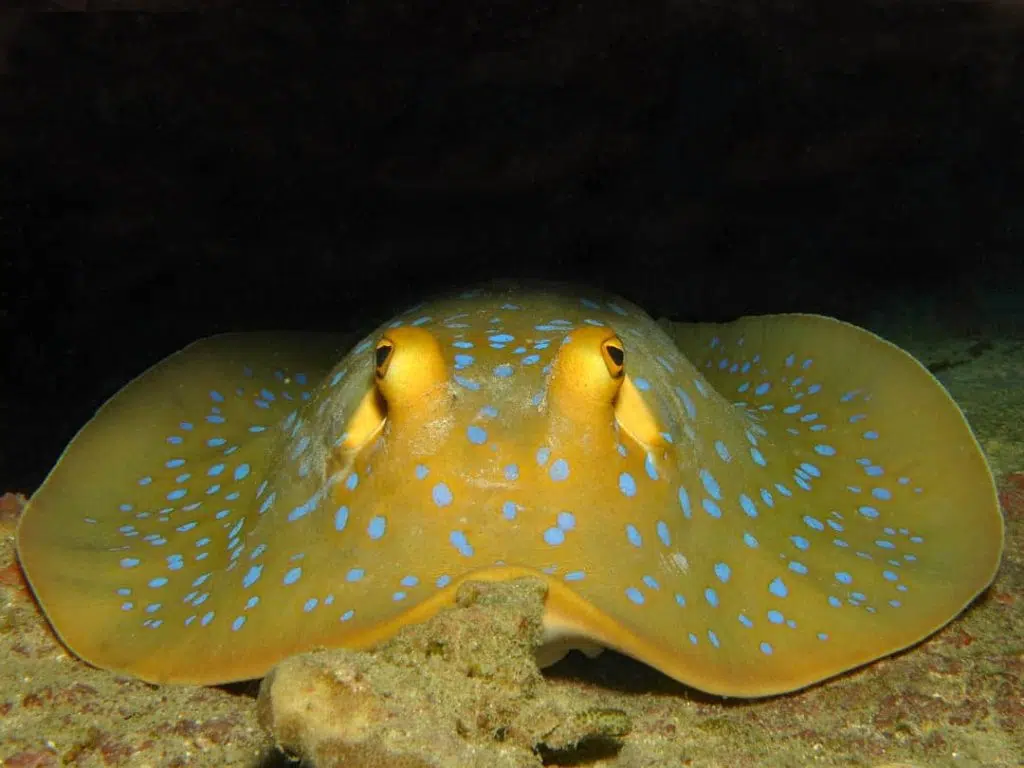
(382, 357)
(614, 355)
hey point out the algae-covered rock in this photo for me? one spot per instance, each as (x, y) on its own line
(461, 689)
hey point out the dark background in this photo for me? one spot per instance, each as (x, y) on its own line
(164, 177)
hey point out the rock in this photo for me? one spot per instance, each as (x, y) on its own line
(461, 689)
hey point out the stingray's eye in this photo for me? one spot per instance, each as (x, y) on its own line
(614, 356)
(382, 357)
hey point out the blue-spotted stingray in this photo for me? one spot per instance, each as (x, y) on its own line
(748, 507)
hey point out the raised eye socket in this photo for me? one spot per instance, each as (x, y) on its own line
(614, 356)
(382, 356)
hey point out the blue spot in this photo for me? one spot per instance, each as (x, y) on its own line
(241, 471)
(663, 533)
(554, 536)
(145, 480)
(627, 484)
(354, 574)
(761, 388)
(531, 359)
(252, 576)
(710, 484)
(477, 435)
(293, 575)
(443, 581)
(722, 571)
(207, 618)
(268, 502)
(129, 562)
(871, 435)
(634, 535)
(511, 472)
(469, 384)
(758, 457)
(650, 468)
(775, 617)
(303, 509)
(747, 505)
(843, 577)
(172, 463)
(642, 384)
(215, 470)
(508, 510)
(347, 615)
(711, 508)
(684, 502)
(881, 494)
(157, 582)
(651, 582)
(463, 361)
(711, 596)
(778, 587)
(635, 595)
(559, 470)
(176, 494)
(409, 581)
(723, 451)
(463, 344)
(884, 544)
(814, 523)
(797, 567)
(810, 469)
(543, 454)
(341, 518)
(766, 649)
(503, 371)
(309, 605)
(376, 527)
(823, 449)
(574, 576)
(800, 542)
(441, 494)
(566, 521)
(868, 512)
(461, 543)
(887, 575)
(421, 471)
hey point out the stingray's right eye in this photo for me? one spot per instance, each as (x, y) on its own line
(382, 357)
(614, 356)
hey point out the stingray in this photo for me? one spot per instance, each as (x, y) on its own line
(748, 507)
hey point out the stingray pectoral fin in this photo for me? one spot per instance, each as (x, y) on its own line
(182, 447)
(869, 495)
